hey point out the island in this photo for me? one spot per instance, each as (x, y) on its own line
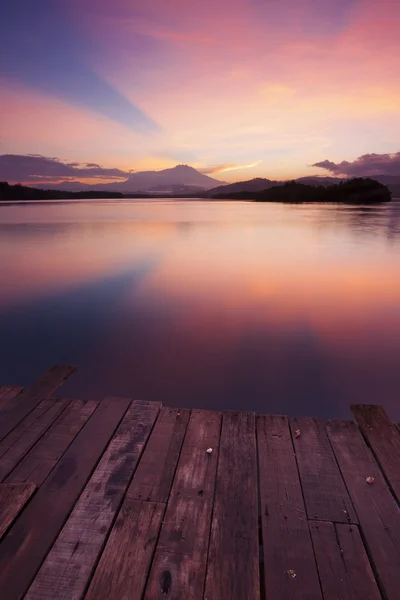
(351, 191)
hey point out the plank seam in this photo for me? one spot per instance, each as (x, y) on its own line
(373, 566)
(72, 508)
(106, 537)
(363, 539)
(378, 462)
(343, 479)
(263, 590)
(36, 403)
(165, 507)
(41, 416)
(213, 504)
(37, 441)
(20, 512)
(305, 507)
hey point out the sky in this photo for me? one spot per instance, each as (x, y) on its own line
(235, 88)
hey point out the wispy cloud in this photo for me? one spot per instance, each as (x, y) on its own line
(36, 168)
(367, 164)
(230, 167)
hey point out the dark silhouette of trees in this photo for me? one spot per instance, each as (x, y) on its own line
(351, 191)
(22, 192)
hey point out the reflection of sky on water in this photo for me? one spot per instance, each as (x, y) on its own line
(281, 309)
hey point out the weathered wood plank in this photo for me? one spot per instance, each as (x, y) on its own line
(153, 477)
(14, 412)
(23, 437)
(233, 559)
(179, 565)
(125, 562)
(376, 508)
(67, 569)
(13, 498)
(289, 562)
(33, 534)
(44, 455)
(8, 393)
(325, 494)
(384, 439)
(343, 564)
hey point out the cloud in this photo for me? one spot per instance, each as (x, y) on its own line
(36, 168)
(365, 165)
(53, 55)
(228, 167)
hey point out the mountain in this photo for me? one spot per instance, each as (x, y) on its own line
(253, 185)
(320, 180)
(182, 176)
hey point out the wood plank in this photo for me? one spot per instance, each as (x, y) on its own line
(23, 437)
(8, 393)
(377, 510)
(153, 478)
(13, 498)
(67, 569)
(33, 534)
(289, 563)
(13, 413)
(125, 563)
(343, 564)
(233, 560)
(44, 455)
(325, 494)
(180, 561)
(384, 439)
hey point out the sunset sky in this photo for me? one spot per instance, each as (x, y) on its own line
(235, 88)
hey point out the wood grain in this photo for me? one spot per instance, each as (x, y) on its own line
(13, 498)
(44, 455)
(180, 560)
(384, 438)
(14, 412)
(22, 438)
(233, 560)
(343, 563)
(67, 569)
(8, 393)
(325, 494)
(289, 562)
(35, 531)
(125, 562)
(153, 478)
(376, 508)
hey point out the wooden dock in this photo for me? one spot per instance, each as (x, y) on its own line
(122, 499)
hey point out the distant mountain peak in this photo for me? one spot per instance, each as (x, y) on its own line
(166, 179)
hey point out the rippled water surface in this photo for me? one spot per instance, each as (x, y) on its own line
(224, 305)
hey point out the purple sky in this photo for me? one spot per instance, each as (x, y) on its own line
(239, 88)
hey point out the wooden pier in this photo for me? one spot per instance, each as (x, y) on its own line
(125, 499)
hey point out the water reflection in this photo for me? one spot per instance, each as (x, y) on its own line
(273, 308)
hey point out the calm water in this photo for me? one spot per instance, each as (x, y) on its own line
(274, 308)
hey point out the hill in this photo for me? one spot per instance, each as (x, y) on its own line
(260, 184)
(352, 191)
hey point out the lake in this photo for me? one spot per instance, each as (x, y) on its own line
(276, 308)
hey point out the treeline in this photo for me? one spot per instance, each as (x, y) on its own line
(352, 191)
(22, 192)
